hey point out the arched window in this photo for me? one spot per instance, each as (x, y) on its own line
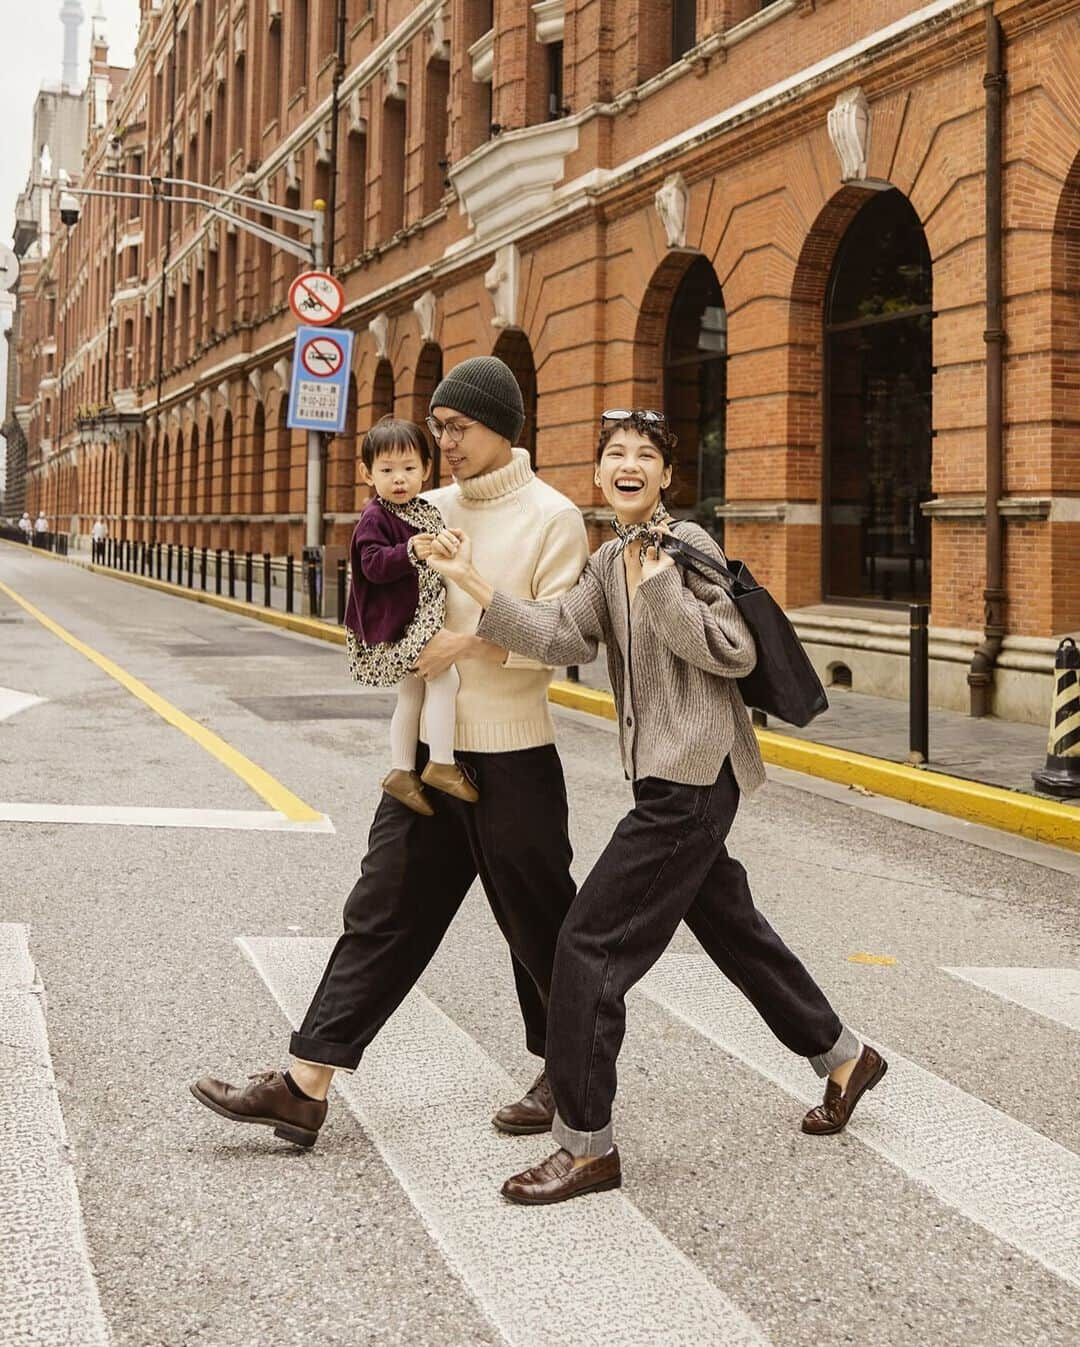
(878, 379)
(193, 473)
(257, 464)
(382, 391)
(513, 347)
(695, 393)
(429, 373)
(226, 464)
(283, 463)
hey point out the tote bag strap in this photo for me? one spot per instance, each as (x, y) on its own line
(705, 565)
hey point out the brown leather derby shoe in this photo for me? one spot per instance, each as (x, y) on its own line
(533, 1112)
(832, 1115)
(557, 1179)
(267, 1100)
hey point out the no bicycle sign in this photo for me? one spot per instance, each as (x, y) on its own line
(320, 379)
(316, 297)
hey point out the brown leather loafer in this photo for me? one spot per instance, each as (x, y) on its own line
(406, 787)
(832, 1115)
(533, 1112)
(451, 780)
(267, 1100)
(558, 1179)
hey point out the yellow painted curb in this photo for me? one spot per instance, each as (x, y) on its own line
(1010, 810)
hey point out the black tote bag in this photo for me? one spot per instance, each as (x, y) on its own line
(783, 683)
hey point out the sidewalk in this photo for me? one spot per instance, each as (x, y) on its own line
(993, 752)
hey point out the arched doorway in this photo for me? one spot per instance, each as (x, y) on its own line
(513, 348)
(429, 373)
(878, 387)
(695, 393)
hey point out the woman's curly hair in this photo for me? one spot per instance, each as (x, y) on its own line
(658, 432)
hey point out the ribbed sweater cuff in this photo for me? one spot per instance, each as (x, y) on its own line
(507, 736)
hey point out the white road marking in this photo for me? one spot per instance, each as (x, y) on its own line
(1003, 1175)
(12, 702)
(588, 1271)
(1051, 992)
(133, 816)
(47, 1288)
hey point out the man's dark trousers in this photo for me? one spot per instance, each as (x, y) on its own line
(412, 881)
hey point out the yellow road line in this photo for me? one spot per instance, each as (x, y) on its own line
(1010, 810)
(262, 783)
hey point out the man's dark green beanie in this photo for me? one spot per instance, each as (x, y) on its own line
(484, 389)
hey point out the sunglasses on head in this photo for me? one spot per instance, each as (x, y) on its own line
(638, 414)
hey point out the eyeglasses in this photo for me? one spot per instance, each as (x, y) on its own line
(639, 414)
(454, 430)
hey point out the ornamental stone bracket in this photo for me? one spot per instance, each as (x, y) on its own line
(502, 281)
(482, 58)
(283, 370)
(512, 178)
(550, 20)
(379, 327)
(850, 127)
(358, 122)
(439, 34)
(392, 73)
(672, 202)
(255, 379)
(426, 308)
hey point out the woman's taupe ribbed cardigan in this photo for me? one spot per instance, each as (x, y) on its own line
(673, 656)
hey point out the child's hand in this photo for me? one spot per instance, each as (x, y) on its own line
(422, 544)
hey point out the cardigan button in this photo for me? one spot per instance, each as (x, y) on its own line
(629, 722)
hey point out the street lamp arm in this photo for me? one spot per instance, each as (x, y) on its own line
(305, 218)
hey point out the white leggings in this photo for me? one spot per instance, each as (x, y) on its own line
(436, 697)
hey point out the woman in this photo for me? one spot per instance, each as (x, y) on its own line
(675, 645)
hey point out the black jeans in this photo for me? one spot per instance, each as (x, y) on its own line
(412, 881)
(665, 862)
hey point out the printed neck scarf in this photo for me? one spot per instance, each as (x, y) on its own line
(647, 533)
(418, 512)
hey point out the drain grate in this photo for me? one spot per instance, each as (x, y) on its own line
(332, 706)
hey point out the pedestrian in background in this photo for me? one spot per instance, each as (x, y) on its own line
(98, 534)
(676, 644)
(418, 869)
(26, 528)
(41, 530)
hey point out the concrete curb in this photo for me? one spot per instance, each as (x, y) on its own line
(991, 806)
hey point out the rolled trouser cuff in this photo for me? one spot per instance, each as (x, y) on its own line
(582, 1144)
(318, 1052)
(843, 1050)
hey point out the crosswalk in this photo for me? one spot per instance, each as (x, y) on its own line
(426, 1086)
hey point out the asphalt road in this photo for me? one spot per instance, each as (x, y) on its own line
(176, 937)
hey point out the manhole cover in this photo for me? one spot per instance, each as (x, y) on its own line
(333, 706)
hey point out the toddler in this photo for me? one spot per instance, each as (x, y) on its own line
(396, 605)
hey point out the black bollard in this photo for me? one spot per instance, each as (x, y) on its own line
(247, 577)
(342, 581)
(232, 574)
(919, 683)
(203, 568)
(266, 579)
(289, 583)
(217, 571)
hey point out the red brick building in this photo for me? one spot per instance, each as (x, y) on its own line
(769, 218)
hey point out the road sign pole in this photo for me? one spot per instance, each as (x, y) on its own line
(314, 526)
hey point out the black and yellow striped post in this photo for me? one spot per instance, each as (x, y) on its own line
(1061, 775)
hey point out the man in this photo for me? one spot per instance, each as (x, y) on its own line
(26, 527)
(417, 870)
(41, 530)
(98, 534)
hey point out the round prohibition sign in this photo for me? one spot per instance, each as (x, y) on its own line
(316, 298)
(322, 357)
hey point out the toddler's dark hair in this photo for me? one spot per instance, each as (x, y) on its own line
(656, 431)
(391, 436)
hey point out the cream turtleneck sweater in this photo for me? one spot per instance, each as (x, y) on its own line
(530, 540)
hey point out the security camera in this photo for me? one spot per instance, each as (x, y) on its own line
(69, 209)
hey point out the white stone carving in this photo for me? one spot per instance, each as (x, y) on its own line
(425, 310)
(322, 145)
(357, 120)
(223, 391)
(482, 57)
(292, 173)
(849, 131)
(512, 179)
(672, 201)
(502, 280)
(255, 379)
(204, 400)
(379, 327)
(240, 38)
(392, 74)
(550, 20)
(283, 370)
(439, 34)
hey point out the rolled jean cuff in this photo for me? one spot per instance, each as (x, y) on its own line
(582, 1144)
(843, 1050)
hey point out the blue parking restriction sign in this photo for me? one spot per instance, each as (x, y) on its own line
(318, 394)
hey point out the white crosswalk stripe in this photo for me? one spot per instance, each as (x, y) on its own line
(1000, 1173)
(1053, 993)
(597, 1269)
(146, 816)
(47, 1289)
